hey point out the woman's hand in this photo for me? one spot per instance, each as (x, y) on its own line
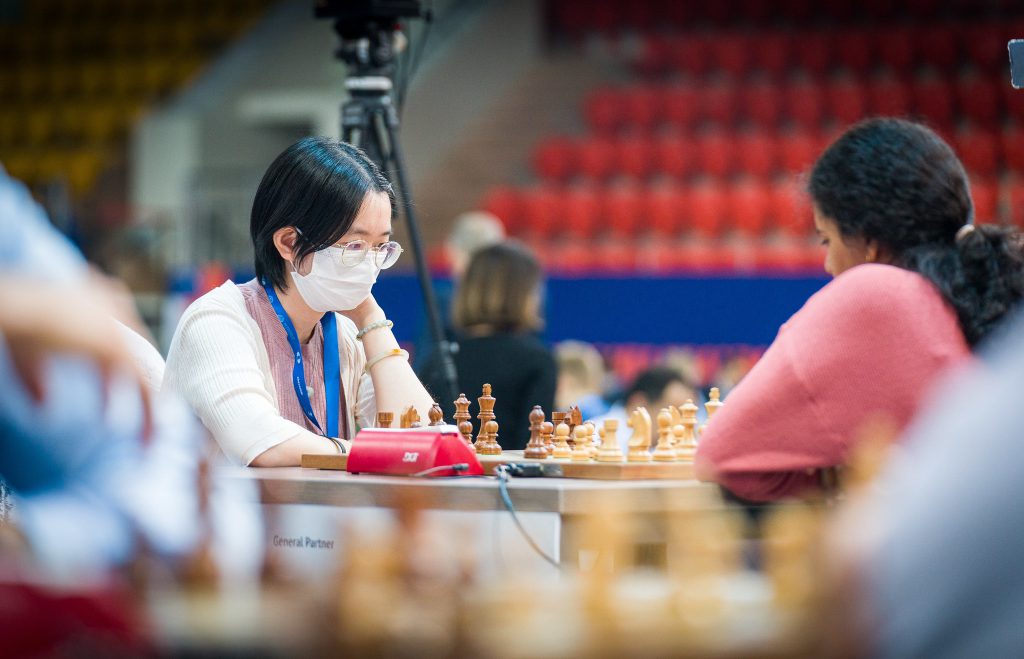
(367, 312)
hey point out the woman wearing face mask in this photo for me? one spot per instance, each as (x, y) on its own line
(917, 287)
(297, 359)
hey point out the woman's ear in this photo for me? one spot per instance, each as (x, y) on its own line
(875, 253)
(284, 241)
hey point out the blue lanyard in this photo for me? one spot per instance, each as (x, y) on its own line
(332, 367)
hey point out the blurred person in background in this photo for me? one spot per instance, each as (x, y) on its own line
(497, 315)
(298, 359)
(582, 377)
(471, 232)
(654, 388)
(917, 286)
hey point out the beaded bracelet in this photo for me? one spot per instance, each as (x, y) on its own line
(372, 326)
(397, 352)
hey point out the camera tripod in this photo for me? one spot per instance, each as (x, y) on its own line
(369, 120)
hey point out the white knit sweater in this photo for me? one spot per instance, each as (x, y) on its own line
(218, 362)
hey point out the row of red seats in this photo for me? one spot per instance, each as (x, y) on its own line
(575, 18)
(624, 256)
(859, 50)
(707, 208)
(802, 102)
(721, 154)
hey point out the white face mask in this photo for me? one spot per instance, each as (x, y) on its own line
(333, 286)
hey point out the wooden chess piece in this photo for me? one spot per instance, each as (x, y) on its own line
(591, 441)
(410, 418)
(664, 452)
(562, 449)
(436, 415)
(711, 407)
(677, 418)
(385, 419)
(609, 450)
(491, 447)
(547, 437)
(581, 449)
(640, 442)
(486, 402)
(686, 449)
(535, 447)
(462, 418)
(575, 419)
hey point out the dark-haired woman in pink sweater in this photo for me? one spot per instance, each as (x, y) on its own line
(917, 286)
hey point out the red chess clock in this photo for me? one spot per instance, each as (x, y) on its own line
(407, 452)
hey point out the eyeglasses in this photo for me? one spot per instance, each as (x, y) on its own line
(354, 252)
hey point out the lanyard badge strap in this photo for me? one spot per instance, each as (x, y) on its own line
(332, 366)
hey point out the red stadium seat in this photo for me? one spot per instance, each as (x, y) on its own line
(616, 255)
(692, 54)
(790, 209)
(978, 100)
(706, 209)
(621, 206)
(595, 157)
(979, 151)
(985, 193)
(937, 46)
(581, 210)
(505, 203)
(984, 46)
(604, 110)
(762, 103)
(889, 97)
(772, 51)
(933, 101)
(730, 53)
(570, 257)
(555, 159)
(798, 151)
(633, 156)
(747, 208)
(846, 100)
(1012, 147)
(663, 209)
(853, 51)
(895, 49)
(804, 104)
(718, 103)
(679, 106)
(655, 58)
(673, 155)
(757, 154)
(813, 52)
(542, 210)
(640, 107)
(715, 154)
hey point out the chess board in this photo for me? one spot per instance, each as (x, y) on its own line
(553, 468)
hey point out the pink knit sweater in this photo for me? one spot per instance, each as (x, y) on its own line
(867, 346)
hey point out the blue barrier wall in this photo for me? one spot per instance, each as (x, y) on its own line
(693, 310)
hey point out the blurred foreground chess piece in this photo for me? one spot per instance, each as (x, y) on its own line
(385, 419)
(610, 451)
(562, 449)
(712, 406)
(436, 415)
(410, 418)
(640, 442)
(687, 447)
(547, 437)
(535, 448)
(664, 452)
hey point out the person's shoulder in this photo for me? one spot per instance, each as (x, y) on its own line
(227, 296)
(880, 286)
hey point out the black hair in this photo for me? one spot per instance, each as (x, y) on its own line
(899, 184)
(653, 381)
(317, 185)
